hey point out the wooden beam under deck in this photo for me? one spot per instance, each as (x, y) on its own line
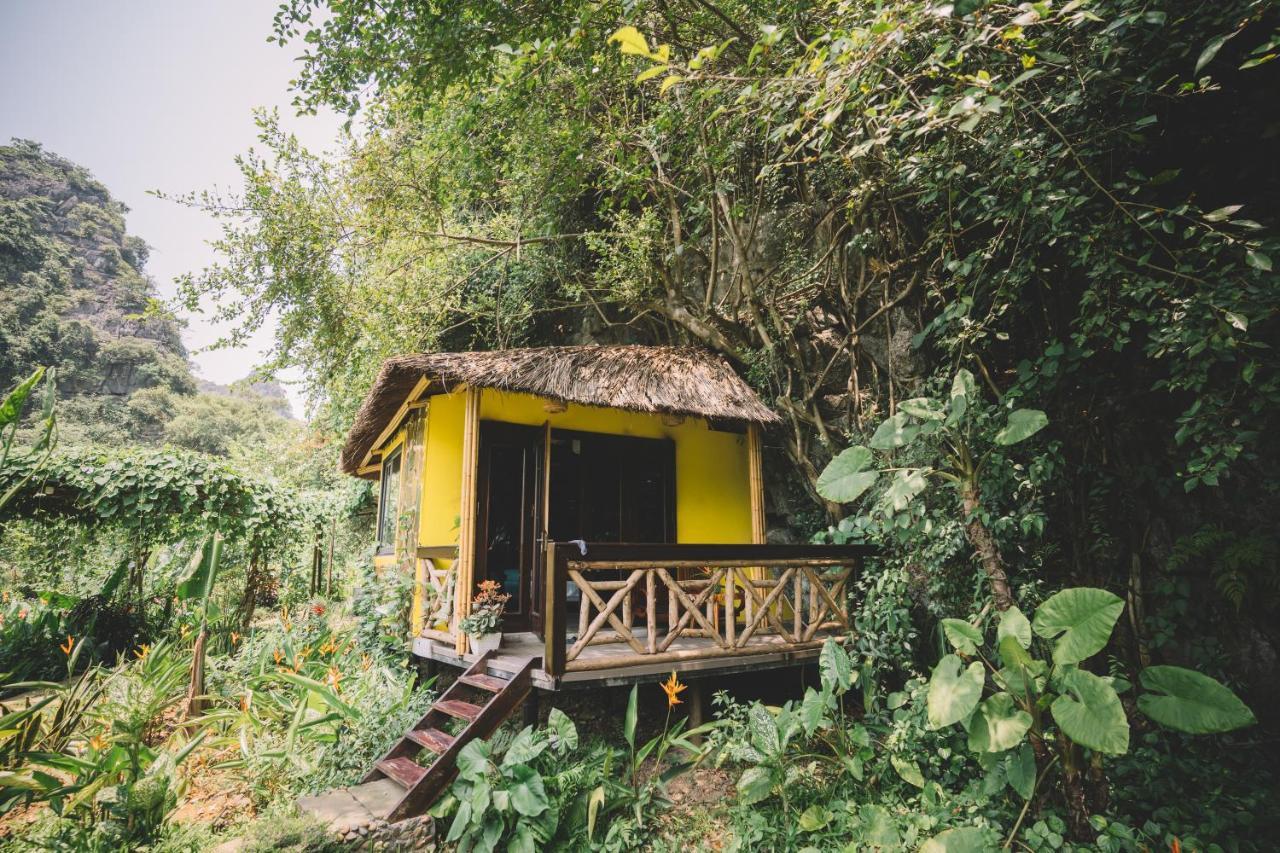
(507, 660)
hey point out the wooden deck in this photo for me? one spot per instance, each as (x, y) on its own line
(517, 648)
(622, 613)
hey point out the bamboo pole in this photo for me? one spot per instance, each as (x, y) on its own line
(651, 611)
(467, 514)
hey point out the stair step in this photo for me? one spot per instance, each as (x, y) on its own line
(485, 682)
(404, 771)
(433, 739)
(458, 708)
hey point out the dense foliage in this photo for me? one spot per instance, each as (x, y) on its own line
(1007, 271)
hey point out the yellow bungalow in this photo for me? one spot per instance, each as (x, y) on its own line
(615, 492)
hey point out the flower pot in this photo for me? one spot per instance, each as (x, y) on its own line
(486, 643)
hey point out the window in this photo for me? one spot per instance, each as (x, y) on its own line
(389, 503)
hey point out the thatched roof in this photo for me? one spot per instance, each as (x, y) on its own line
(672, 380)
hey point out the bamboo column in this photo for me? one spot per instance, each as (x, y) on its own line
(467, 513)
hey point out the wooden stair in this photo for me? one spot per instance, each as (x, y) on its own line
(482, 702)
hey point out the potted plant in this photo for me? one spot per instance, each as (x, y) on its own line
(484, 624)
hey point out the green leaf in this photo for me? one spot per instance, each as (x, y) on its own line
(1021, 771)
(953, 694)
(963, 389)
(1210, 50)
(473, 760)
(845, 478)
(834, 667)
(629, 721)
(1014, 624)
(998, 724)
(651, 72)
(964, 839)
(923, 408)
(754, 785)
(814, 818)
(963, 636)
(528, 796)
(1258, 260)
(1191, 701)
(1022, 424)
(1083, 617)
(895, 432)
(906, 485)
(16, 399)
(1089, 712)
(908, 770)
(563, 730)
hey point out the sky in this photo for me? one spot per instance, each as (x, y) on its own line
(155, 95)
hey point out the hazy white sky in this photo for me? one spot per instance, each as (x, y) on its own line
(153, 94)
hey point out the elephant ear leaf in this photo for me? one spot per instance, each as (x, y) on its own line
(1022, 424)
(846, 477)
(896, 432)
(1089, 712)
(1082, 619)
(1191, 702)
(953, 693)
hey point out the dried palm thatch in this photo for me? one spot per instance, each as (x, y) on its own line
(671, 380)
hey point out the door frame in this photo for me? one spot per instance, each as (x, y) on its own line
(532, 515)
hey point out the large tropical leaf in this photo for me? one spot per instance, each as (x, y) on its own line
(834, 667)
(953, 693)
(963, 637)
(997, 725)
(1190, 701)
(906, 484)
(1014, 624)
(754, 785)
(846, 477)
(1022, 424)
(1081, 618)
(964, 839)
(1089, 712)
(895, 432)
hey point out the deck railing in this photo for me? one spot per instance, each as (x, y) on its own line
(737, 599)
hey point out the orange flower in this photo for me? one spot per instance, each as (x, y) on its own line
(306, 652)
(68, 646)
(672, 687)
(365, 662)
(142, 651)
(22, 614)
(246, 701)
(333, 678)
(1176, 846)
(235, 638)
(97, 743)
(278, 656)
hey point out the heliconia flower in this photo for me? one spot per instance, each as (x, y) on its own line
(68, 646)
(97, 743)
(317, 609)
(333, 677)
(278, 656)
(672, 687)
(365, 662)
(1175, 846)
(246, 701)
(22, 614)
(235, 638)
(186, 629)
(142, 651)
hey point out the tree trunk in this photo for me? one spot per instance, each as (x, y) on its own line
(1073, 789)
(195, 692)
(984, 544)
(249, 601)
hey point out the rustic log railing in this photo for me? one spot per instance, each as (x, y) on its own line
(439, 566)
(742, 599)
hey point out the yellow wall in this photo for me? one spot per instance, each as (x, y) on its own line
(713, 497)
